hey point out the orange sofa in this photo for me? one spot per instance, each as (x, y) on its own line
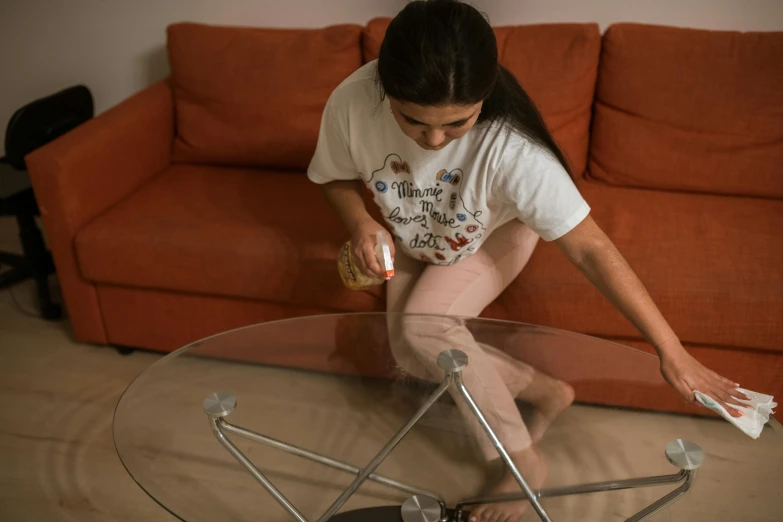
(184, 211)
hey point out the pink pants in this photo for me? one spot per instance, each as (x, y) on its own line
(464, 289)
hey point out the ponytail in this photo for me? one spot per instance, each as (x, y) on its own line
(509, 103)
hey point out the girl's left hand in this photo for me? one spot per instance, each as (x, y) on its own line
(685, 374)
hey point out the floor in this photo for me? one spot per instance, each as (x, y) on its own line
(59, 462)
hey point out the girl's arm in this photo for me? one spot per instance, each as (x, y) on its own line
(594, 254)
(345, 197)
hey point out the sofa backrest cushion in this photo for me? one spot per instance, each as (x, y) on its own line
(555, 63)
(254, 97)
(690, 110)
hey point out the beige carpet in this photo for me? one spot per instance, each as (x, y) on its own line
(58, 460)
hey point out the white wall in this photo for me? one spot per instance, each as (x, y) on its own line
(116, 47)
(735, 15)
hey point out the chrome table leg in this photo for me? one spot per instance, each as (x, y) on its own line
(221, 404)
(426, 506)
(454, 362)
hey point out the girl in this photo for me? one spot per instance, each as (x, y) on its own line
(468, 178)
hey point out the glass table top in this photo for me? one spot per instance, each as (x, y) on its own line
(342, 386)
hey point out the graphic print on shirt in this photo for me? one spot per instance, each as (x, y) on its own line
(426, 212)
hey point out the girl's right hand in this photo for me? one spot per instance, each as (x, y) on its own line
(363, 248)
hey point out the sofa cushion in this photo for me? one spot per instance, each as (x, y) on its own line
(556, 64)
(224, 232)
(711, 263)
(688, 109)
(254, 97)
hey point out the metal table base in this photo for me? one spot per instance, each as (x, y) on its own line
(427, 506)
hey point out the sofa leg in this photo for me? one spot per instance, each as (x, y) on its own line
(124, 350)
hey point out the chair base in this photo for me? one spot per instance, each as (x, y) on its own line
(49, 310)
(36, 263)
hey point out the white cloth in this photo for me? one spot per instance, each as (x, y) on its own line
(441, 205)
(754, 416)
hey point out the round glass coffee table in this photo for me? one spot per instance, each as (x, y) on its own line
(328, 418)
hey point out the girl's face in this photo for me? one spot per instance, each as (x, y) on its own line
(432, 128)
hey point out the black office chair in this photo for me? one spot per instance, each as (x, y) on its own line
(33, 126)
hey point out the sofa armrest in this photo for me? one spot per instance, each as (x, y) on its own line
(82, 174)
(88, 170)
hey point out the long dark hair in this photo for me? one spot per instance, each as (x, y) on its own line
(442, 52)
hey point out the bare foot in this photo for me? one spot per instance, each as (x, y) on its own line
(549, 398)
(533, 469)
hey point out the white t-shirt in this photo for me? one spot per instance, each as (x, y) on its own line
(441, 205)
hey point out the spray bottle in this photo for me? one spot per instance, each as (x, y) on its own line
(350, 273)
